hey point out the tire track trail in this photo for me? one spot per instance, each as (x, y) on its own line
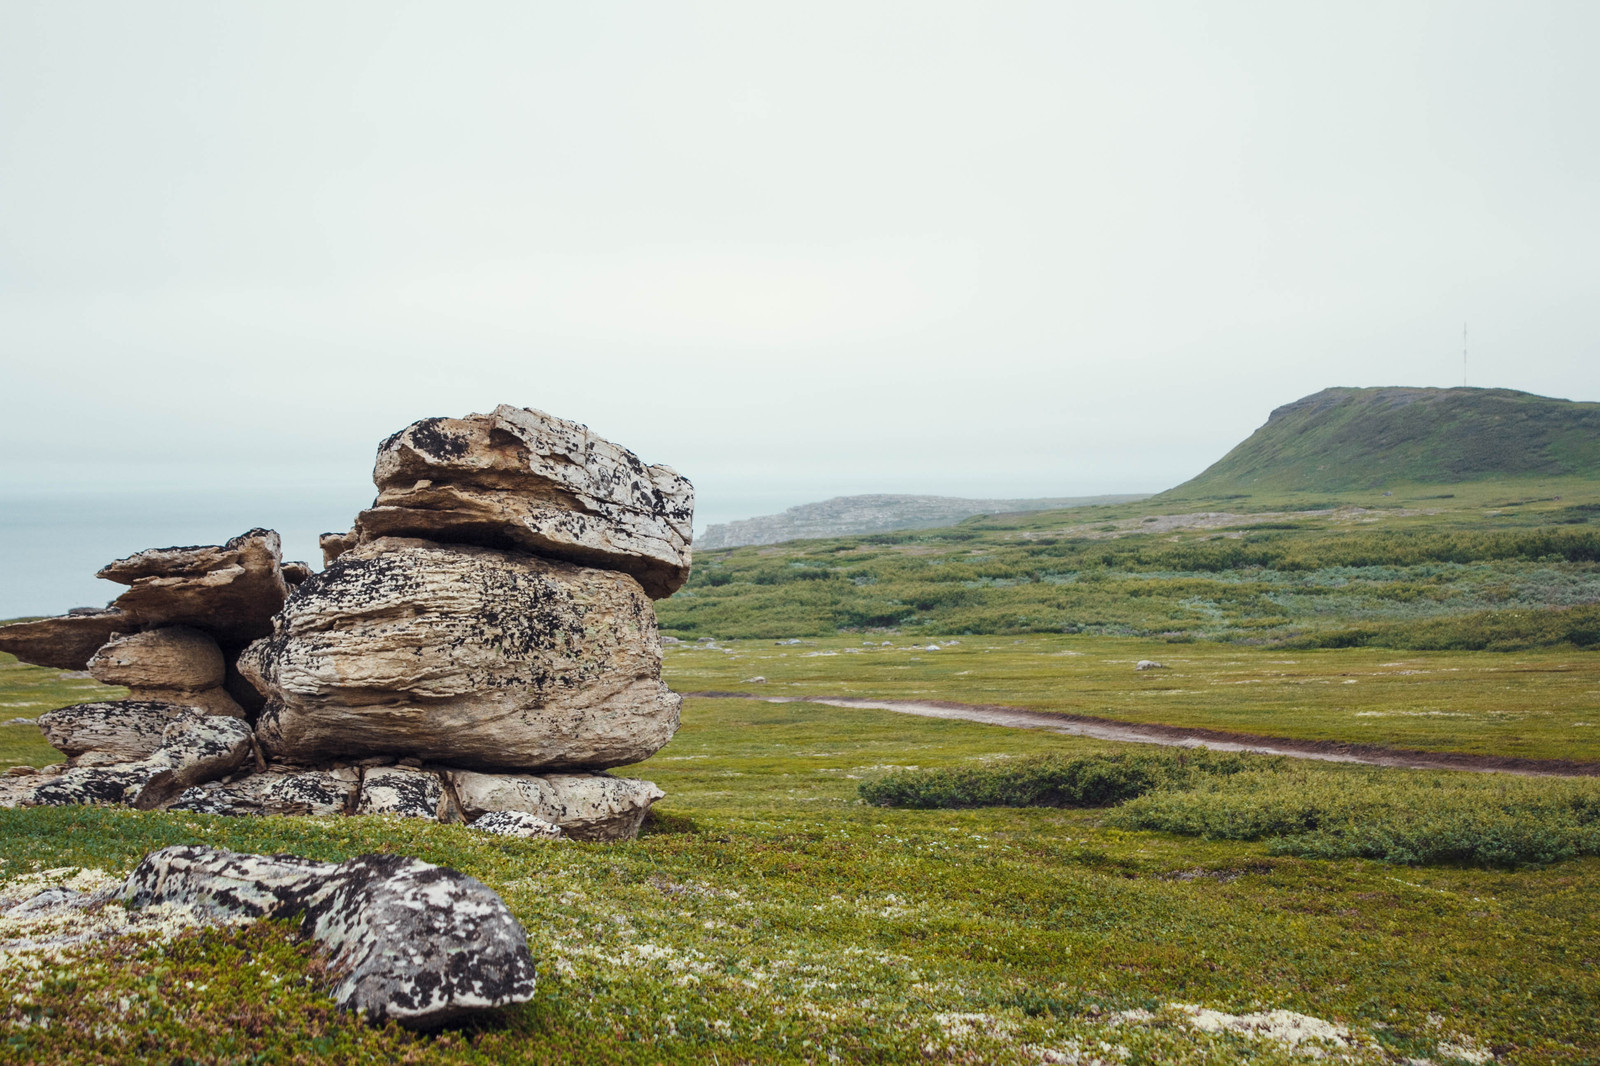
(1079, 725)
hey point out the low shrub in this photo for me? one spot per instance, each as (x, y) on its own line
(1047, 781)
(1398, 817)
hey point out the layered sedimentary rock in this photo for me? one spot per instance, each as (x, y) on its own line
(585, 806)
(464, 656)
(413, 942)
(519, 478)
(229, 590)
(67, 642)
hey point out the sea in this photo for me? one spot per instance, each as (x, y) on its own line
(51, 543)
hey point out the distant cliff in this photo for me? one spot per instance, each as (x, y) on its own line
(846, 515)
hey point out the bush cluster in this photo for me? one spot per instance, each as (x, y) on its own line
(1326, 813)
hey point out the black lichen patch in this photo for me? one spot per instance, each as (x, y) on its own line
(428, 438)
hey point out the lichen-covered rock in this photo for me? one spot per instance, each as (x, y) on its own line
(595, 807)
(67, 642)
(276, 790)
(517, 824)
(465, 656)
(519, 478)
(404, 791)
(179, 657)
(229, 590)
(195, 748)
(127, 729)
(421, 944)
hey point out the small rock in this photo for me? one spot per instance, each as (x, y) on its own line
(195, 748)
(126, 729)
(277, 790)
(757, 680)
(403, 791)
(417, 943)
(295, 573)
(594, 807)
(518, 824)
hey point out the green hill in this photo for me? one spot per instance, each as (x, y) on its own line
(1341, 440)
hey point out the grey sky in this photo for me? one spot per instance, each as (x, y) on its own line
(793, 250)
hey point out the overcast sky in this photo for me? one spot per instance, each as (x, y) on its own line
(792, 249)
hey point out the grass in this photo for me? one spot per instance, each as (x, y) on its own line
(768, 916)
(29, 691)
(1538, 704)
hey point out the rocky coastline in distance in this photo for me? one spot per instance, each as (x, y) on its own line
(844, 516)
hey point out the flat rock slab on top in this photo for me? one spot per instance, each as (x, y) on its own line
(67, 642)
(464, 656)
(421, 944)
(229, 590)
(520, 478)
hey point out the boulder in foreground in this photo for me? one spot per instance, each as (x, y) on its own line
(420, 944)
(464, 656)
(519, 478)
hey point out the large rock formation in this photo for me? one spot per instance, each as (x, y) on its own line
(520, 637)
(413, 942)
(519, 478)
(465, 656)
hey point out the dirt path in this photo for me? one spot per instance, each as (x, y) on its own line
(1078, 725)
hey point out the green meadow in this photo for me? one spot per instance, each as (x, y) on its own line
(769, 914)
(1479, 567)
(825, 884)
(1540, 704)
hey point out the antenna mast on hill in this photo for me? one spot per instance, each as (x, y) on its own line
(1463, 355)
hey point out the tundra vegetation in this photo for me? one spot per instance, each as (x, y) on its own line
(774, 911)
(832, 884)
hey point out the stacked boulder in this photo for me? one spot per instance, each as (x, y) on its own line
(480, 647)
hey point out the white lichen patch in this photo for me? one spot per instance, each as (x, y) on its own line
(45, 917)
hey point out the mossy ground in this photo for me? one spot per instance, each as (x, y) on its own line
(769, 916)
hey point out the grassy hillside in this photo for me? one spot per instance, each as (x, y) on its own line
(1486, 565)
(1339, 440)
